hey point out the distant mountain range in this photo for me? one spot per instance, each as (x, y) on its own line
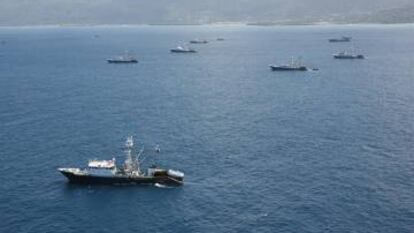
(264, 12)
(387, 16)
(393, 15)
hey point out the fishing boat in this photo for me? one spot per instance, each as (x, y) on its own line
(183, 49)
(342, 39)
(125, 58)
(294, 65)
(198, 41)
(107, 171)
(348, 55)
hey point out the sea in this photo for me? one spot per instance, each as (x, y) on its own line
(329, 150)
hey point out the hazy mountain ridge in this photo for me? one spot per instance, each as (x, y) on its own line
(388, 16)
(394, 15)
(27, 12)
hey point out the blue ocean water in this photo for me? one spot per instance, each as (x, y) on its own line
(325, 151)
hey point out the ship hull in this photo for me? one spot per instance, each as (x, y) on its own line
(338, 40)
(349, 57)
(278, 68)
(344, 39)
(121, 180)
(182, 51)
(122, 62)
(199, 42)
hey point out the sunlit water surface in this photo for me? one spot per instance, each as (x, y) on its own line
(325, 151)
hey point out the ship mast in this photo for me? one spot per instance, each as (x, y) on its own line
(131, 164)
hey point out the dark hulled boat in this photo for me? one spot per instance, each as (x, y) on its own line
(347, 55)
(293, 66)
(122, 61)
(198, 41)
(288, 68)
(182, 49)
(108, 176)
(107, 172)
(342, 39)
(125, 58)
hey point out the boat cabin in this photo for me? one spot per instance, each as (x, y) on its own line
(108, 164)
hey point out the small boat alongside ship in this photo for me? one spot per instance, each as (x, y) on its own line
(294, 65)
(107, 172)
(182, 49)
(342, 39)
(125, 58)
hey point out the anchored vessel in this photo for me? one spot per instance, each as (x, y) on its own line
(342, 39)
(292, 66)
(183, 49)
(107, 172)
(347, 55)
(125, 58)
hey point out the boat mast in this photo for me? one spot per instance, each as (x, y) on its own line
(131, 164)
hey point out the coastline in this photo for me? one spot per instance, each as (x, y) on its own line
(253, 24)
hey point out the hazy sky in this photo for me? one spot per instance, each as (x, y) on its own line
(175, 11)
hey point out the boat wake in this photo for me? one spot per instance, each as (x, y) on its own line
(158, 185)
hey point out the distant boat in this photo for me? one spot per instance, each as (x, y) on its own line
(157, 149)
(292, 66)
(125, 58)
(342, 39)
(198, 41)
(220, 39)
(183, 49)
(348, 55)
